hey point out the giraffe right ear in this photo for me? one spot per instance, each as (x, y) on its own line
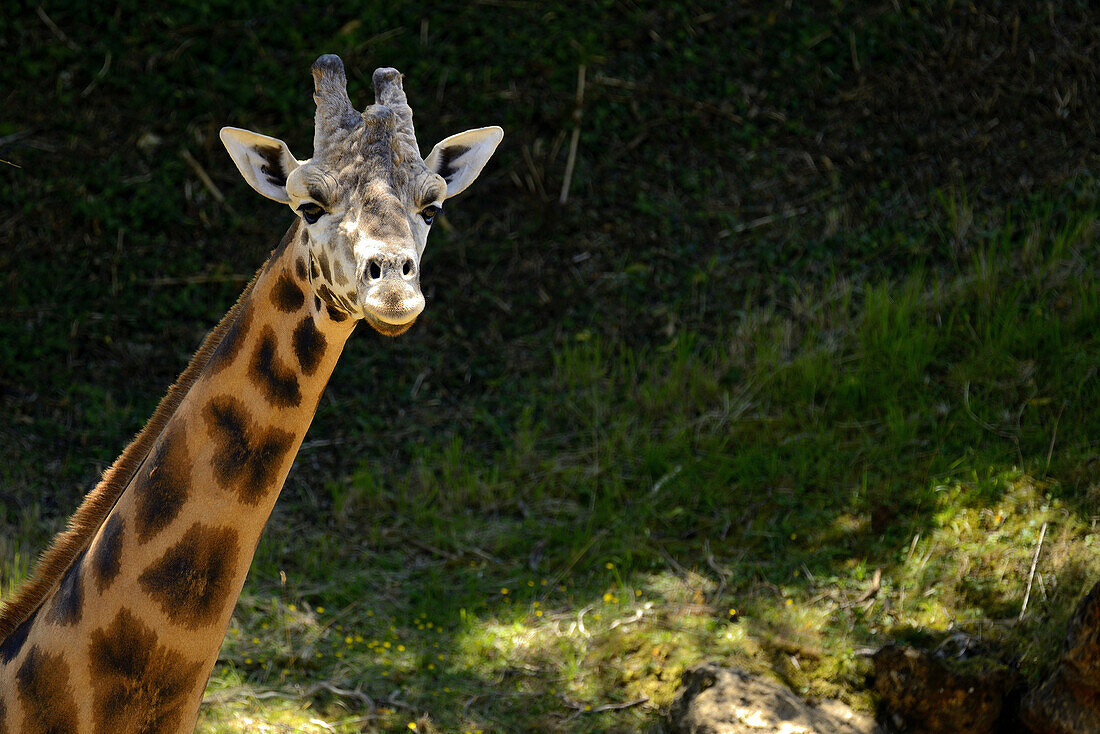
(264, 162)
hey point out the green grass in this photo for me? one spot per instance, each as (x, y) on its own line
(926, 429)
(820, 304)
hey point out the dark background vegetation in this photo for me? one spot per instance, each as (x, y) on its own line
(735, 160)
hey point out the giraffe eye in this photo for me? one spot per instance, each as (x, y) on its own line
(311, 212)
(429, 212)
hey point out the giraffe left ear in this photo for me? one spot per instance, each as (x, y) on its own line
(460, 158)
(263, 161)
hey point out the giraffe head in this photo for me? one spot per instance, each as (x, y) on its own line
(366, 198)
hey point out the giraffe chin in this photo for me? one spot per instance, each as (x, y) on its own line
(387, 329)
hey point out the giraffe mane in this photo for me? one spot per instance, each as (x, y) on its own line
(97, 504)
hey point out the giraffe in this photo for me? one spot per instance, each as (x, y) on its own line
(119, 627)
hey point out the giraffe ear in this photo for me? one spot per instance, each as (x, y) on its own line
(460, 158)
(264, 162)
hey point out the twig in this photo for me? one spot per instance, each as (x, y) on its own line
(206, 180)
(680, 570)
(876, 585)
(762, 221)
(230, 694)
(394, 701)
(1053, 436)
(99, 75)
(1031, 574)
(342, 692)
(431, 548)
(670, 474)
(628, 620)
(580, 621)
(587, 708)
(56, 31)
(578, 112)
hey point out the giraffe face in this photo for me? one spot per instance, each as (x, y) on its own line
(367, 199)
(366, 213)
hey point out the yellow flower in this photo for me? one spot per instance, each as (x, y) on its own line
(320, 610)
(790, 602)
(538, 612)
(291, 607)
(609, 565)
(412, 725)
(504, 590)
(401, 648)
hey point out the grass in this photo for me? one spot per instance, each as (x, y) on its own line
(726, 498)
(818, 308)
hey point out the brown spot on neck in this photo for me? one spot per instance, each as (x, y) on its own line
(246, 457)
(277, 382)
(162, 488)
(286, 295)
(309, 344)
(68, 599)
(45, 693)
(140, 685)
(193, 582)
(107, 558)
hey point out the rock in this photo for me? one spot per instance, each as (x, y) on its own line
(717, 700)
(1069, 701)
(920, 693)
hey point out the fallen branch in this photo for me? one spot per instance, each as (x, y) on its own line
(876, 585)
(1031, 574)
(578, 112)
(628, 620)
(207, 182)
(587, 708)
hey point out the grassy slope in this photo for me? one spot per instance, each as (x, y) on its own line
(821, 303)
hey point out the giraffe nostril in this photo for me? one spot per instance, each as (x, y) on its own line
(407, 268)
(374, 269)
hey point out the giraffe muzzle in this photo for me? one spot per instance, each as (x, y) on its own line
(392, 298)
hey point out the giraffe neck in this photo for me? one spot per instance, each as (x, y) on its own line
(127, 638)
